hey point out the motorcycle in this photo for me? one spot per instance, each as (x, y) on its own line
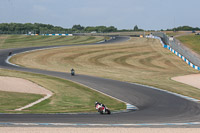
(10, 53)
(72, 72)
(102, 109)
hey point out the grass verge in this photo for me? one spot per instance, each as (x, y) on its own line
(12, 100)
(68, 96)
(192, 41)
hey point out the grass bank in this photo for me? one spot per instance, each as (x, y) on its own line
(68, 96)
(172, 33)
(192, 41)
(20, 41)
(139, 60)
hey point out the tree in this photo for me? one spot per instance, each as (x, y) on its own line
(136, 28)
(184, 28)
(90, 29)
(77, 27)
(101, 29)
(38, 28)
(111, 29)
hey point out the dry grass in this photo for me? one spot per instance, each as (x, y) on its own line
(139, 60)
(177, 33)
(20, 41)
(2, 39)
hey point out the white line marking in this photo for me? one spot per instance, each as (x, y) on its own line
(176, 94)
(34, 103)
(100, 125)
(7, 61)
(127, 104)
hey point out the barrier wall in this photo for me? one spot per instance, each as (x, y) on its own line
(51, 34)
(57, 34)
(175, 52)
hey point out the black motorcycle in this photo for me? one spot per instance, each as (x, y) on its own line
(72, 72)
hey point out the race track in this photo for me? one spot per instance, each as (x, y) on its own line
(154, 106)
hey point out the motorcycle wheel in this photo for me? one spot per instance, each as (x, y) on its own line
(108, 111)
(101, 112)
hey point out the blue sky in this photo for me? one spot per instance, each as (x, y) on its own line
(123, 14)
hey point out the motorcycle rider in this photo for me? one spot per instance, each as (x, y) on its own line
(99, 104)
(10, 53)
(72, 71)
(102, 109)
(96, 104)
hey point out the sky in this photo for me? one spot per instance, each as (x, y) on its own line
(123, 14)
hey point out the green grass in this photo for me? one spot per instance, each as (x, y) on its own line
(191, 41)
(20, 41)
(68, 96)
(172, 33)
(13, 100)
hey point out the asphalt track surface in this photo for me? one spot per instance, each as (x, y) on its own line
(154, 106)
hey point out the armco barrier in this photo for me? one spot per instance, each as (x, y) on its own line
(189, 54)
(51, 34)
(175, 52)
(57, 34)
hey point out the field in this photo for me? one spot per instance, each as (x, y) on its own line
(177, 33)
(139, 60)
(192, 41)
(20, 41)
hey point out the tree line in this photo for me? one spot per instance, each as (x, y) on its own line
(39, 28)
(36, 28)
(184, 28)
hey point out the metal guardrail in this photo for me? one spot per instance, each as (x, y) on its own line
(180, 48)
(134, 34)
(190, 55)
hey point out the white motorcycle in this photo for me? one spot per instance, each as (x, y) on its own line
(102, 109)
